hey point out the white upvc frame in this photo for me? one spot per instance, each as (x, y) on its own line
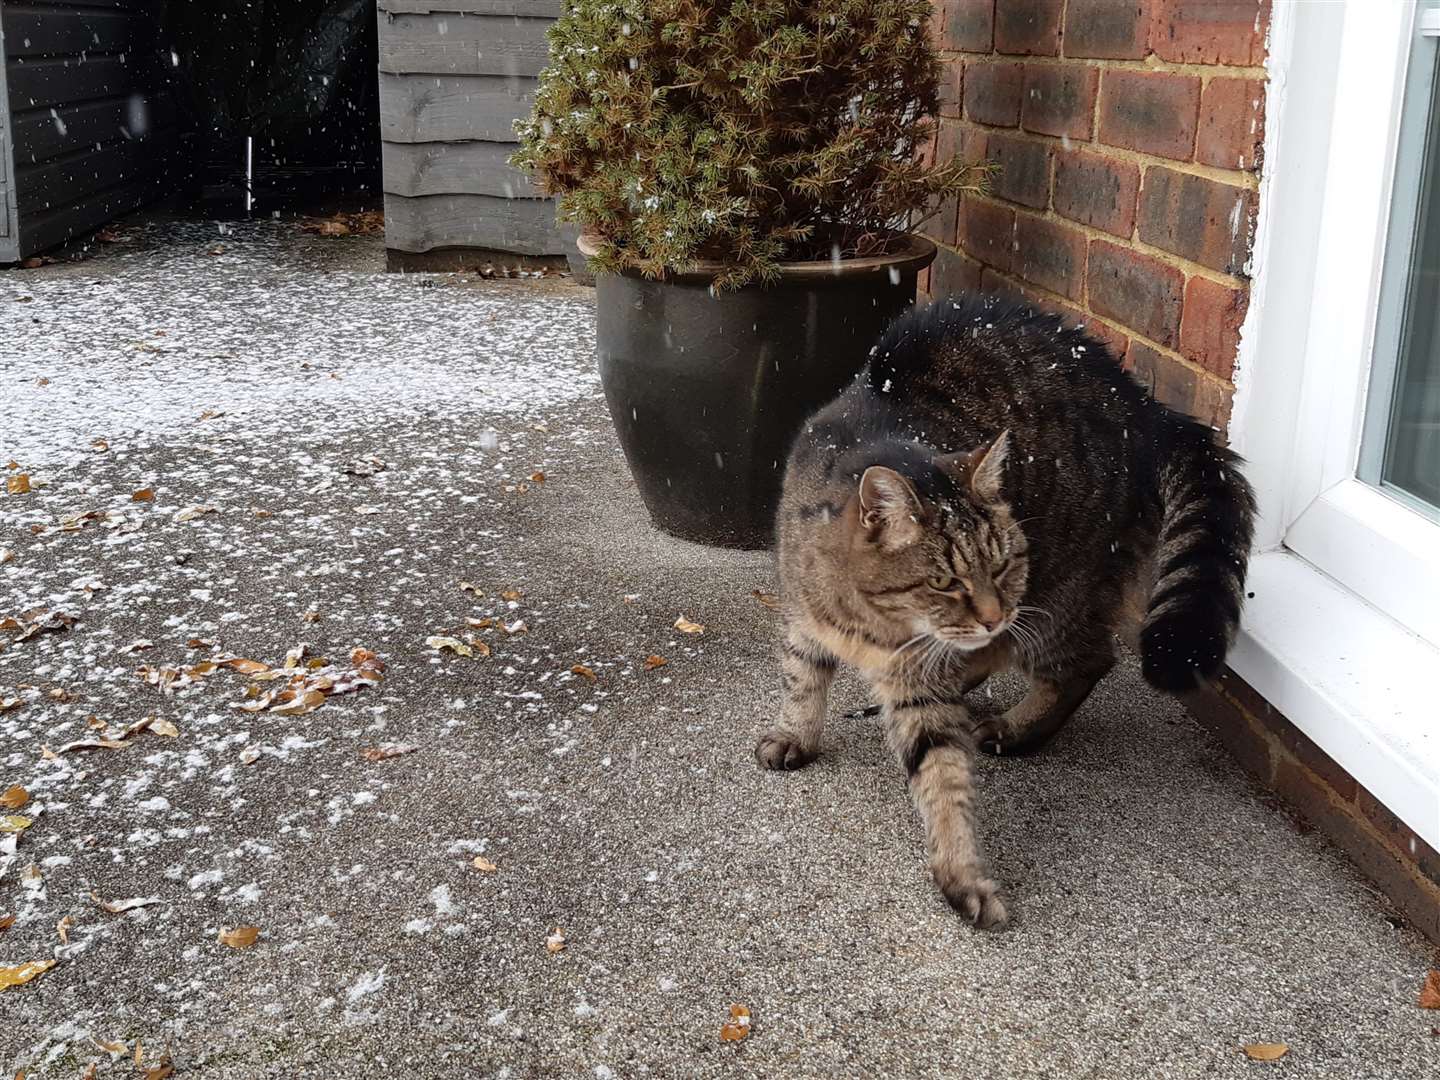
(1343, 631)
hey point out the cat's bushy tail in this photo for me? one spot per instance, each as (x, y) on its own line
(1206, 526)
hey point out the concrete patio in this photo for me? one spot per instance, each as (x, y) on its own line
(1166, 913)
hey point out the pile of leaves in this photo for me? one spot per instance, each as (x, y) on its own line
(678, 131)
(300, 685)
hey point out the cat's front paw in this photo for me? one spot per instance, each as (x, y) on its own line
(972, 894)
(778, 749)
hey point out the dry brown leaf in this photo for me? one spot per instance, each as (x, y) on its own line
(143, 495)
(164, 1069)
(481, 649)
(60, 694)
(62, 928)
(769, 600)
(46, 754)
(486, 623)
(556, 941)
(99, 445)
(161, 726)
(1430, 992)
(512, 595)
(6, 555)
(585, 673)
(685, 626)
(249, 755)
(1266, 1051)
(14, 797)
(738, 1025)
(242, 937)
(440, 643)
(23, 973)
(244, 666)
(652, 662)
(14, 823)
(116, 1047)
(516, 627)
(137, 646)
(200, 643)
(119, 907)
(94, 723)
(6, 921)
(12, 465)
(88, 744)
(311, 616)
(190, 513)
(537, 477)
(19, 484)
(309, 701)
(6, 704)
(385, 751)
(483, 864)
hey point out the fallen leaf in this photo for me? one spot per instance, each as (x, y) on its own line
(46, 754)
(19, 484)
(210, 414)
(455, 645)
(99, 445)
(161, 1071)
(42, 381)
(556, 941)
(653, 661)
(143, 495)
(366, 466)
(486, 623)
(14, 797)
(516, 627)
(310, 616)
(6, 704)
(23, 973)
(94, 723)
(483, 864)
(309, 701)
(190, 513)
(249, 755)
(769, 600)
(139, 1052)
(60, 694)
(62, 928)
(245, 667)
(6, 555)
(1430, 992)
(385, 751)
(119, 907)
(138, 646)
(1266, 1051)
(470, 587)
(14, 823)
(164, 727)
(738, 1026)
(242, 937)
(90, 744)
(218, 249)
(585, 673)
(537, 477)
(685, 626)
(6, 921)
(511, 595)
(12, 465)
(294, 656)
(200, 643)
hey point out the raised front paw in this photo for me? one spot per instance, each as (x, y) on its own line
(778, 749)
(972, 894)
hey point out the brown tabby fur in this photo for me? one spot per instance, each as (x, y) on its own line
(984, 496)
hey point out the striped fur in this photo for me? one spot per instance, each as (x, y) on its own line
(987, 495)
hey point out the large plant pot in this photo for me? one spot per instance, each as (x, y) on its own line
(707, 391)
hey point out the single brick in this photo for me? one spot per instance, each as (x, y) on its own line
(1210, 326)
(1108, 29)
(969, 25)
(1060, 99)
(958, 141)
(1232, 123)
(1213, 402)
(952, 87)
(992, 93)
(987, 232)
(1200, 219)
(952, 273)
(1211, 31)
(1096, 190)
(1050, 255)
(1022, 169)
(1150, 111)
(1028, 27)
(1136, 290)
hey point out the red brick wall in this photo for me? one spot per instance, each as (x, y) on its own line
(1126, 135)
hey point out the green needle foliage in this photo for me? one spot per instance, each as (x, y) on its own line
(745, 132)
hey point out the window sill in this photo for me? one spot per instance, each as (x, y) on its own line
(1363, 688)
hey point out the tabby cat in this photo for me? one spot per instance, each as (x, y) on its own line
(992, 492)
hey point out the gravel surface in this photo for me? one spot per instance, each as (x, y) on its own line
(367, 443)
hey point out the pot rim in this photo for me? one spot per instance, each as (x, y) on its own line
(916, 253)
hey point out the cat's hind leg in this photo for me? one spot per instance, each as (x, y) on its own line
(806, 671)
(1039, 716)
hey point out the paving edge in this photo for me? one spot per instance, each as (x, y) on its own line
(1283, 759)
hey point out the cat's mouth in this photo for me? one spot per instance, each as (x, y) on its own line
(970, 640)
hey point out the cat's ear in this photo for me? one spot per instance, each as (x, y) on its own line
(889, 508)
(980, 469)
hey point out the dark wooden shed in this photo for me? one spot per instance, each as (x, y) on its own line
(454, 77)
(86, 129)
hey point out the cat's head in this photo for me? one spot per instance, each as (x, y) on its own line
(940, 554)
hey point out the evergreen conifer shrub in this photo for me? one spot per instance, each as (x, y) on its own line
(743, 132)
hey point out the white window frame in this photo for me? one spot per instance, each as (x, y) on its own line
(1342, 634)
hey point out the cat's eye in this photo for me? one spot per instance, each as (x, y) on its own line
(942, 584)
